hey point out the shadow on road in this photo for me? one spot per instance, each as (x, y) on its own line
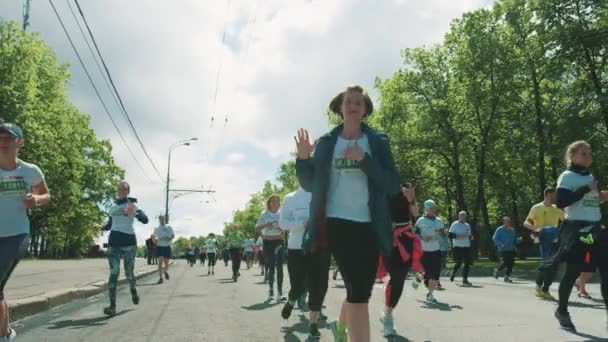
(260, 306)
(439, 306)
(588, 337)
(398, 338)
(149, 284)
(85, 323)
(597, 306)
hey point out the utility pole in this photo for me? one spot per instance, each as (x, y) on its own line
(26, 14)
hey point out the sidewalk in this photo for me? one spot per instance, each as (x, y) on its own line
(38, 285)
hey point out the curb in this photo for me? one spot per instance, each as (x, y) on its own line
(29, 306)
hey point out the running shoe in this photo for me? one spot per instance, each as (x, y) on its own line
(110, 310)
(339, 332)
(286, 311)
(466, 283)
(388, 326)
(538, 292)
(167, 275)
(547, 296)
(584, 295)
(313, 332)
(160, 281)
(134, 296)
(11, 336)
(564, 320)
(431, 299)
(280, 298)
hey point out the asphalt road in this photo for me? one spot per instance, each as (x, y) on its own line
(193, 306)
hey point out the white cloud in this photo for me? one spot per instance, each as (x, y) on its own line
(280, 66)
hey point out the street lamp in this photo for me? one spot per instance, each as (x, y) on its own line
(171, 148)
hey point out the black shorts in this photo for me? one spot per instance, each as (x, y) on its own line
(212, 258)
(431, 261)
(163, 251)
(462, 255)
(354, 247)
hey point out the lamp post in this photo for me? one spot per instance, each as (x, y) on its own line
(171, 148)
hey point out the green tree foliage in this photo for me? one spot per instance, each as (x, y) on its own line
(79, 168)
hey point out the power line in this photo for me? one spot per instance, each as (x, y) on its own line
(86, 71)
(84, 37)
(125, 112)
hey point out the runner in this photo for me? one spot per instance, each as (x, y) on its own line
(211, 248)
(350, 176)
(581, 231)
(151, 249)
(164, 234)
(190, 255)
(268, 226)
(235, 242)
(306, 270)
(22, 187)
(543, 220)
(460, 233)
(249, 252)
(505, 241)
(226, 255)
(429, 227)
(122, 242)
(406, 255)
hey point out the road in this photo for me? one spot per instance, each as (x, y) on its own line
(195, 307)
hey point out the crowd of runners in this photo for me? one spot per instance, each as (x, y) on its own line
(351, 208)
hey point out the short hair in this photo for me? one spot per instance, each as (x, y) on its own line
(336, 103)
(549, 190)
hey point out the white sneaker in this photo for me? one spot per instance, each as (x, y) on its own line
(388, 325)
(10, 337)
(280, 298)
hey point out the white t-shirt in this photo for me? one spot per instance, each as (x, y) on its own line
(14, 185)
(294, 215)
(164, 234)
(348, 196)
(269, 217)
(211, 246)
(588, 207)
(460, 228)
(429, 227)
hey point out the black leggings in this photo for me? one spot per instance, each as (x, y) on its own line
(462, 255)
(273, 253)
(508, 260)
(212, 259)
(398, 271)
(308, 272)
(354, 247)
(235, 256)
(575, 264)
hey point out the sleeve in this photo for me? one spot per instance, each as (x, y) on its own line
(417, 227)
(533, 217)
(108, 225)
(566, 193)
(381, 169)
(496, 237)
(261, 220)
(305, 170)
(36, 176)
(287, 219)
(141, 216)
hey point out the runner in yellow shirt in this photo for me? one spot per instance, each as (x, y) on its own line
(543, 220)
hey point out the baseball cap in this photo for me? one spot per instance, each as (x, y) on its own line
(429, 204)
(462, 213)
(12, 129)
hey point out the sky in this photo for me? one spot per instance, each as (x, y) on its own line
(240, 75)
